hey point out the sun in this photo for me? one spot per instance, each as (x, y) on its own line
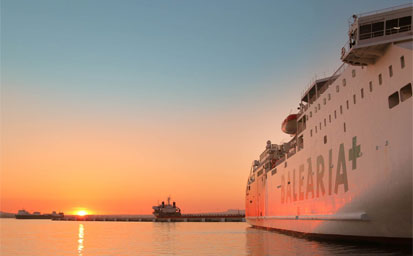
(81, 213)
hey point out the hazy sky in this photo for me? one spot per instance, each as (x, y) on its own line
(113, 105)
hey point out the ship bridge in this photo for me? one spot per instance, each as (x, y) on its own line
(371, 33)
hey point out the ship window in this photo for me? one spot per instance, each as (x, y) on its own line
(285, 164)
(335, 114)
(325, 122)
(325, 139)
(337, 88)
(371, 86)
(402, 64)
(320, 126)
(311, 133)
(362, 93)
(371, 30)
(344, 82)
(406, 92)
(380, 79)
(394, 100)
(325, 101)
(348, 105)
(390, 70)
(353, 73)
(329, 96)
(391, 26)
(405, 23)
(329, 118)
(311, 113)
(315, 129)
(354, 99)
(344, 126)
(365, 31)
(398, 25)
(341, 109)
(377, 29)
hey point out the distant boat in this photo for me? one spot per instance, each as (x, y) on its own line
(23, 214)
(166, 210)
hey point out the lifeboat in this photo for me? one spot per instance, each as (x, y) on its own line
(289, 124)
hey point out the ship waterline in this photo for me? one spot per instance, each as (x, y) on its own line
(348, 169)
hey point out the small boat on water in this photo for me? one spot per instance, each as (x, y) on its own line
(166, 210)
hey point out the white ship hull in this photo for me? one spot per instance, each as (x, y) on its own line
(353, 177)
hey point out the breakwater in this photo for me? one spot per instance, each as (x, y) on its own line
(137, 218)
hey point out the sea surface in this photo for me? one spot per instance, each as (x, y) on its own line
(46, 237)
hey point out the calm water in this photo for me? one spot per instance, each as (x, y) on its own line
(45, 237)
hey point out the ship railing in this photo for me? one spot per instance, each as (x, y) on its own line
(345, 49)
(385, 32)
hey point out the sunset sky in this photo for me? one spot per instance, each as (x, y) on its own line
(111, 106)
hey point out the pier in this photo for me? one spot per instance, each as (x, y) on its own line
(137, 218)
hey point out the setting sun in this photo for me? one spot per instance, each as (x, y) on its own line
(81, 213)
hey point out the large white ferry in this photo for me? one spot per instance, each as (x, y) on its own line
(347, 171)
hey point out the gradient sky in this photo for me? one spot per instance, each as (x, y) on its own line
(112, 106)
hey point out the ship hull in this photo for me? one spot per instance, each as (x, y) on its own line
(353, 177)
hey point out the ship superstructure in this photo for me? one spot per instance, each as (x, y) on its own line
(347, 171)
(166, 210)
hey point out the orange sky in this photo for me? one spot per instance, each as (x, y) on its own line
(54, 160)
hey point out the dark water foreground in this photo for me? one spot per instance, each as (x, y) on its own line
(45, 237)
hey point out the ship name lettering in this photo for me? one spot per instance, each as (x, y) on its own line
(288, 187)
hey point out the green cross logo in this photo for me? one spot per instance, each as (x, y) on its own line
(354, 153)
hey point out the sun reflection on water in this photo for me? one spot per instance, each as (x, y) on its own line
(80, 240)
